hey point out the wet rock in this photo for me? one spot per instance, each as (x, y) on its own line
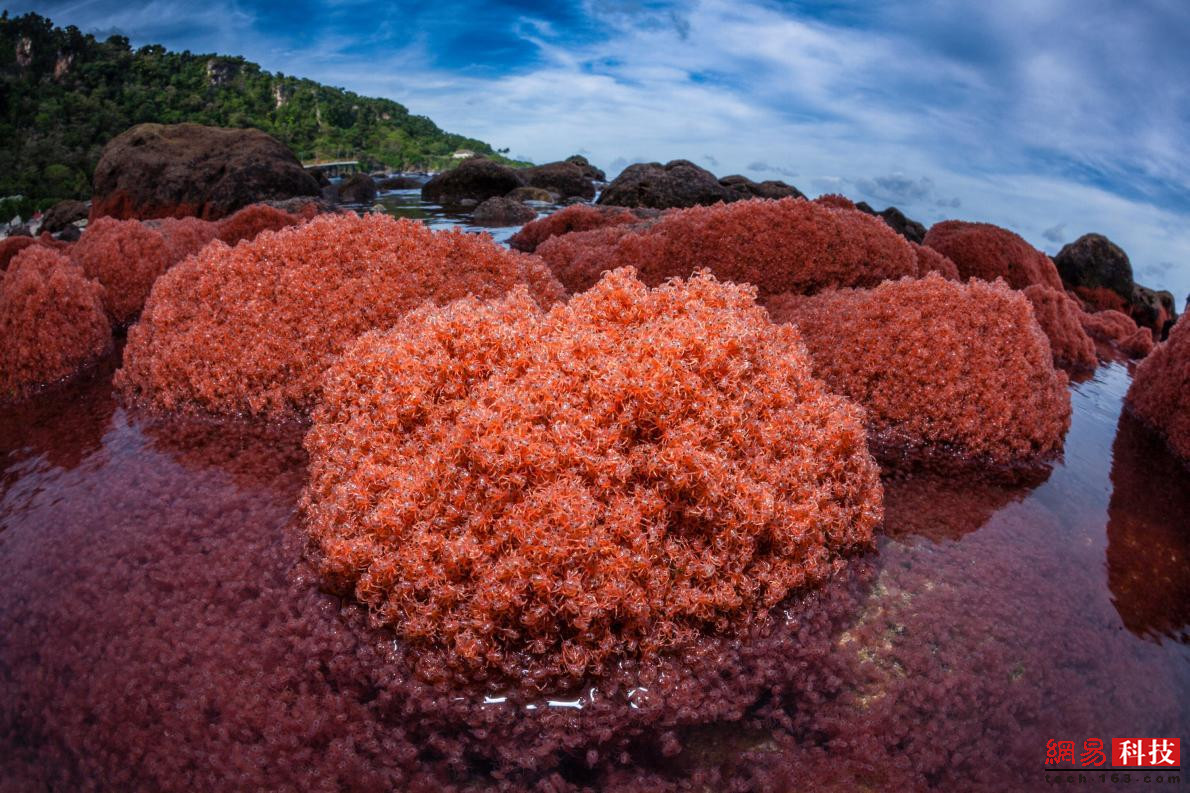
(533, 194)
(1093, 262)
(502, 211)
(175, 170)
(564, 178)
(589, 170)
(770, 188)
(63, 214)
(678, 183)
(357, 189)
(476, 179)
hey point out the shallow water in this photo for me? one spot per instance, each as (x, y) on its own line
(159, 630)
(408, 204)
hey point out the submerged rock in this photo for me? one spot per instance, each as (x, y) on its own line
(163, 170)
(678, 183)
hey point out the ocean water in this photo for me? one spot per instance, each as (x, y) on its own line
(161, 630)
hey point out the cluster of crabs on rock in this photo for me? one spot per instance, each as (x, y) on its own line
(635, 429)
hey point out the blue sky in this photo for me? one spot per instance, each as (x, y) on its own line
(1051, 117)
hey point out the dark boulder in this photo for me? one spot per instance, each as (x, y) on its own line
(895, 219)
(501, 211)
(357, 189)
(589, 170)
(320, 177)
(63, 214)
(677, 184)
(400, 183)
(475, 179)
(770, 188)
(906, 227)
(534, 194)
(1092, 262)
(175, 170)
(1153, 309)
(564, 178)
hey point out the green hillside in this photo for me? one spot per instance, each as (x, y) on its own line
(64, 94)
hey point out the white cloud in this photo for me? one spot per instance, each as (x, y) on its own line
(1007, 112)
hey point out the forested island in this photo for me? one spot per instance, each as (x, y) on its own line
(65, 93)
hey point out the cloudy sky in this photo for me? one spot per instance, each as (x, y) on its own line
(1051, 117)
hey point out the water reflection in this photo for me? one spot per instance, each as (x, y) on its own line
(155, 603)
(1148, 535)
(947, 507)
(59, 427)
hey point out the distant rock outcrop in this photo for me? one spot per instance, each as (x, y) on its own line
(1094, 262)
(908, 228)
(564, 178)
(357, 189)
(677, 184)
(589, 170)
(475, 179)
(176, 170)
(63, 214)
(533, 194)
(501, 211)
(1153, 309)
(400, 183)
(770, 188)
